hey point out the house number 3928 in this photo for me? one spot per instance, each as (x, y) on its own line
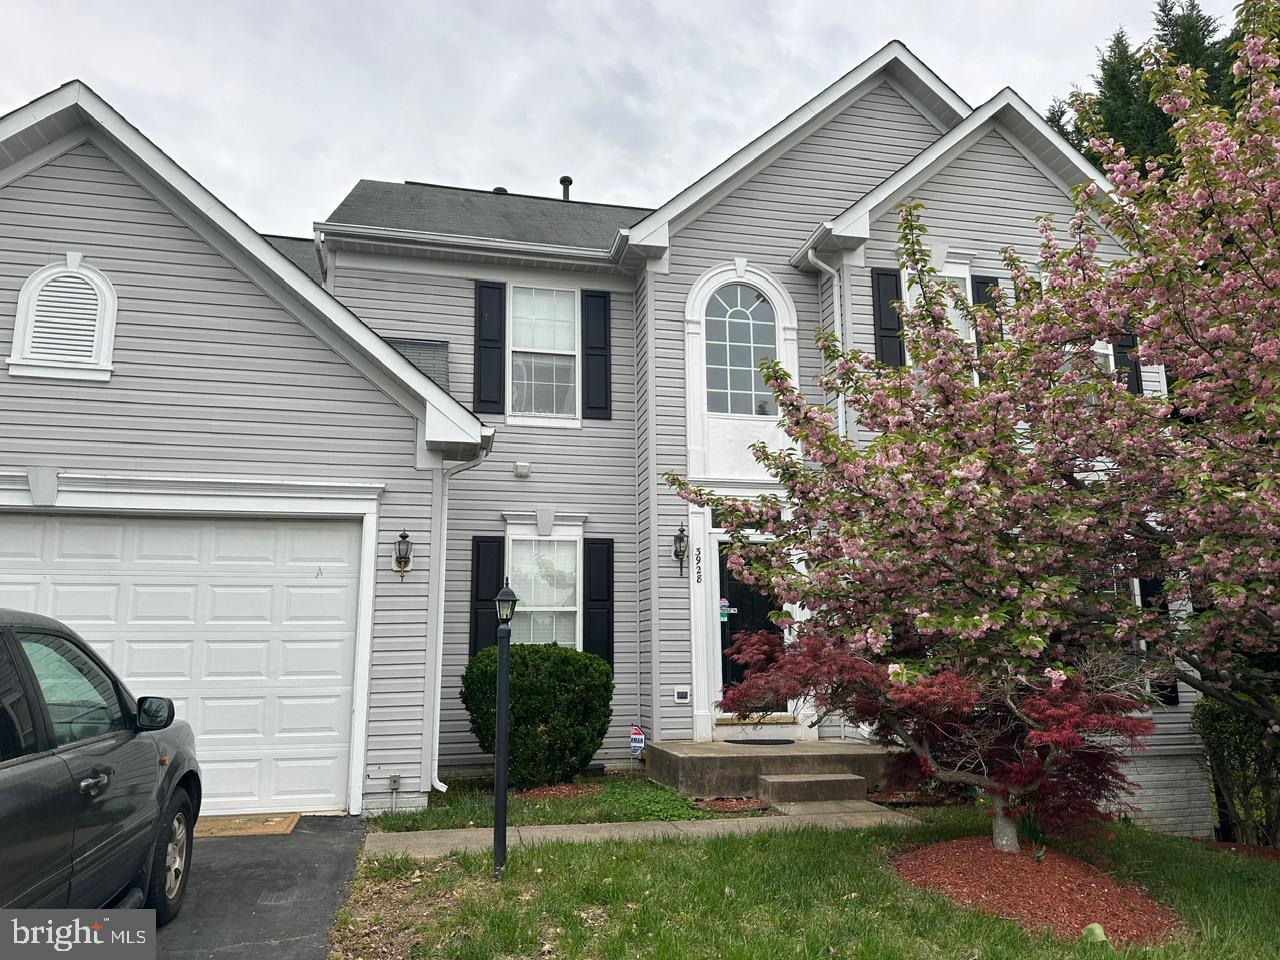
(697, 564)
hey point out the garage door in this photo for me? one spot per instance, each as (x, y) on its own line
(249, 625)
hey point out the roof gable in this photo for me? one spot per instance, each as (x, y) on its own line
(1006, 113)
(893, 63)
(33, 133)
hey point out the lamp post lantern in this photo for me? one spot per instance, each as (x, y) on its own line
(506, 601)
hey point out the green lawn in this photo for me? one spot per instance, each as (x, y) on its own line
(777, 895)
(469, 803)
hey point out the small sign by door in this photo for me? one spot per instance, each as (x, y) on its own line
(637, 740)
(725, 610)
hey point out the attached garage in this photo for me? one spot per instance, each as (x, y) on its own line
(249, 625)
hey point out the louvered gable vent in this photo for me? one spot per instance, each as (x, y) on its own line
(65, 327)
(64, 323)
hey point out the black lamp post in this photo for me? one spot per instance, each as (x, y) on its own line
(506, 601)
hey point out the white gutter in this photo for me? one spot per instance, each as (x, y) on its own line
(837, 322)
(439, 546)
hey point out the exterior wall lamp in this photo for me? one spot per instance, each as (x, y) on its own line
(505, 601)
(680, 546)
(402, 559)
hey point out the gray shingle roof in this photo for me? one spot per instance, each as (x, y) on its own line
(458, 211)
(301, 250)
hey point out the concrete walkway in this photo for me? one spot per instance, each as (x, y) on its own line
(829, 815)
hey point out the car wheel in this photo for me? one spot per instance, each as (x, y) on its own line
(171, 861)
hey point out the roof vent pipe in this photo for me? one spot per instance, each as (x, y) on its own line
(499, 189)
(566, 182)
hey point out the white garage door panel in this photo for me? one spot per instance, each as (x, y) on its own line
(249, 625)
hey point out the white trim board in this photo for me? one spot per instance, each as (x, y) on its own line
(46, 491)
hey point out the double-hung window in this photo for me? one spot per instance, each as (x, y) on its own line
(959, 278)
(545, 573)
(544, 352)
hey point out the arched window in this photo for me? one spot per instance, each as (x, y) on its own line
(741, 330)
(65, 324)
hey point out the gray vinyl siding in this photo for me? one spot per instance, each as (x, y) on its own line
(214, 378)
(764, 219)
(589, 470)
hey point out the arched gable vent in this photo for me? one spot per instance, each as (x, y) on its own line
(65, 324)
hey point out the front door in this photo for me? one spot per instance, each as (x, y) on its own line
(743, 609)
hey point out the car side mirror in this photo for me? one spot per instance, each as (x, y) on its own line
(154, 713)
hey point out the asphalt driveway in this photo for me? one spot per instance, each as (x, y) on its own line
(255, 897)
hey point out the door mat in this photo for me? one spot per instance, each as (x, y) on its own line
(256, 825)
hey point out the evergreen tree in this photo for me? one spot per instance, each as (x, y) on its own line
(1191, 37)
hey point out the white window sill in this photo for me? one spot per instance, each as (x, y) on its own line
(532, 420)
(769, 418)
(52, 370)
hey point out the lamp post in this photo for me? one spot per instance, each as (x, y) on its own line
(506, 601)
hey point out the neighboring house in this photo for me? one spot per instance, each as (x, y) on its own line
(157, 501)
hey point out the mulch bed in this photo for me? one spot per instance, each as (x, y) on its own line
(561, 791)
(731, 805)
(1246, 849)
(1060, 893)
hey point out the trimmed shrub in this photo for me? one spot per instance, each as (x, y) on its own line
(561, 705)
(1245, 762)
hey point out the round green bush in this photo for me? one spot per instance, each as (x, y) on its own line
(561, 705)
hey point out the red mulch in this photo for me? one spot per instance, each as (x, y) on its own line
(561, 791)
(1246, 849)
(1060, 893)
(731, 805)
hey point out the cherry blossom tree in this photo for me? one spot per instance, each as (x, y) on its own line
(964, 580)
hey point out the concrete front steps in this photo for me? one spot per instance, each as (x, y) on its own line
(800, 772)
(774, 789)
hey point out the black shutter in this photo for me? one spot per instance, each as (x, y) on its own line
(491, 358)
(597, 598)
(1123, 351)
(486, 581)
(597, 391)
(1165, 689)
(983, 296)
(886, 288)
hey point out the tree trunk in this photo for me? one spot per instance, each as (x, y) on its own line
(1004, 834)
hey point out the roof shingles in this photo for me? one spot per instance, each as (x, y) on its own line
(460, 212)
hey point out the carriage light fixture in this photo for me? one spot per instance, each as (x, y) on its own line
(680, 547)
(403, 557)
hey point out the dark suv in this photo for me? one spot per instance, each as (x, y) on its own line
(99, 792)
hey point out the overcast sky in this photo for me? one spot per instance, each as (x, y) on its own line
(279, 107)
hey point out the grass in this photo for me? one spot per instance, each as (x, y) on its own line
(795, 894)
(469, 803)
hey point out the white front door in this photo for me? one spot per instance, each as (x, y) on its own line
(247, 624)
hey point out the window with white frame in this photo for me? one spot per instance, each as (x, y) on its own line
(545, 573)
(959, 277)
(65, 324)
(544, 352)
(741, 330)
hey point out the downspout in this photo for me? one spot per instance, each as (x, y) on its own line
(837, 322)
(439, 547)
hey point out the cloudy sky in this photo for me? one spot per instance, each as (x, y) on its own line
(280, 106)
